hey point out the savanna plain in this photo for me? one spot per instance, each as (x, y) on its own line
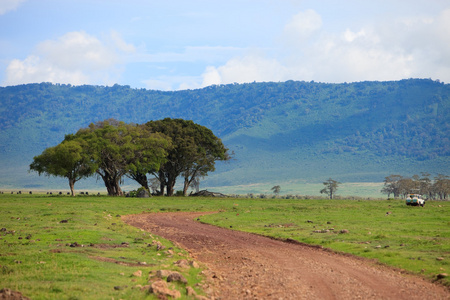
(61, 247)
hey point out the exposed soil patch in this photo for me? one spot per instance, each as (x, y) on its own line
(109, 246)
(119, 262)
(249, 266)
(12, 295)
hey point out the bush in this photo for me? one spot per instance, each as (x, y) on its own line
(134, 193)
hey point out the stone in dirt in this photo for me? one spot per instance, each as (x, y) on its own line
(161, 289)
(12, 295)
(138, 273)
(176, 277)
(194, 264)
(191, 293)
(160, 246)
(182, 263)
(163, 273)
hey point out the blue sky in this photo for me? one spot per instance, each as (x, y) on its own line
(174, 44)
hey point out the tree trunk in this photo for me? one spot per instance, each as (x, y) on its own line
(72, 187)
(190, 178)
(170, 185)
(111, 183)
(162, 182)
(186, 185)
(162, 187)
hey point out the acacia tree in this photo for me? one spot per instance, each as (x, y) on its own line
(441, 186)
(205, 151)
(149, 153)
(425, 185)
(117, 148)
(195, 149)
(330, 187)
(392, 185)
(407, 186)
(68, 159)
(276, 189)
(402, 186)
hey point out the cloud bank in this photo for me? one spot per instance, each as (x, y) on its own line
(299, 45)
(396, 49)
(76, 58)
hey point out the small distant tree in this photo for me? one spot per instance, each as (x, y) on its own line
(407, 186)
(425, 185)
(276, 189)
(442, 186)
(392, 185)
(330, 188)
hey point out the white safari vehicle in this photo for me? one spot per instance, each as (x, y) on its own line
(415, 200)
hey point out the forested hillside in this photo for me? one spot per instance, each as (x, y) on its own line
(278, 131)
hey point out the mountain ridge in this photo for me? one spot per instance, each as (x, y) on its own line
(274, 129)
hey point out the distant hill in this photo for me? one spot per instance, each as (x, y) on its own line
(279, 132)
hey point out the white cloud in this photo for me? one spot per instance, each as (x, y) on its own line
(76, 58)
(33, 69)
(77, 50)
(121, 44)
(392, 50)
(350, 36)
(248, 68)
(211, 76)
(302, 26)
(172, 63)
(9, 5)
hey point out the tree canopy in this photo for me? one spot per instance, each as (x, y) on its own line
(330, 187)
(195, 149)
(400, 186)
(276, 189)
(67, 159)
(112, 149)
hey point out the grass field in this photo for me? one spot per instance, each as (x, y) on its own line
(37, 232)
(358, 189)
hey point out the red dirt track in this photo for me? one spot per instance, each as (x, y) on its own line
(249, 266)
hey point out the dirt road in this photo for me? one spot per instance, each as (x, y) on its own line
(248, 266)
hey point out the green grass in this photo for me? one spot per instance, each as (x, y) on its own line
(37, 260)
(301, 188)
